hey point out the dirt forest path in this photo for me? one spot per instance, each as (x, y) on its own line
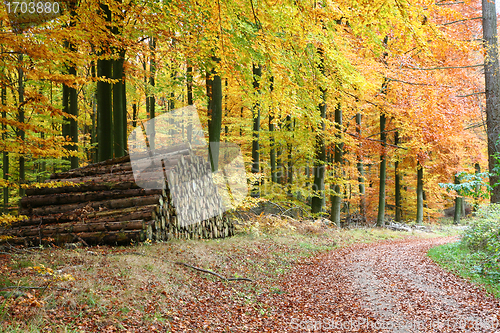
(384, 287)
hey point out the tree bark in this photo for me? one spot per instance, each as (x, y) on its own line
(20, 118)
(420, 193)
(119, 110)
(77, 227)
(492, 87)
(5, 154)
(397, 177)
(257, 74)
(360, 166)
(110, 204)
(383, 174)
(66, 198)
(272, 142)
(189, 86)
(151, 100)
(104, 102)
(214, 84)
(336, 197)
(320, 150)
(458, 203)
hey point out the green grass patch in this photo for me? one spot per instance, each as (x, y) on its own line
(457, 258)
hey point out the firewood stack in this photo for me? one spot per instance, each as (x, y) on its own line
(107, 206)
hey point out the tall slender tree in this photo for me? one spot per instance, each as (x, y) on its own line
(214, 92)
(104, 99)
(361, 171)
(20, 118)
(382, 173)
(5, 154)
(272, 142)
(420, 193)
(317, 201)
(492, 86)
(257, 75)
(397, 185)
(338, 157)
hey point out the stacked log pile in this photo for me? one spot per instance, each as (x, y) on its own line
(104, 204)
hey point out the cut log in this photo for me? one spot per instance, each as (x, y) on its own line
(65, 198)
(76, 227)
(93, 205)
(122, 214)
(85, 187)
(107, 205)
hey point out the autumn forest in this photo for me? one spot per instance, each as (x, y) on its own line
(375, 109)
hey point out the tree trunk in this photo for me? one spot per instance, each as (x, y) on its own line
(317, 201)
(119, 112)
(397, 177)
(134, 115)
(272, 142)
(383, 174)
(257, 74)
(73, 103)
(93, 135)
(420, 193)
(119, 109)
(20, 118)
(104, 102)
(151, 101)
(336, 197)
(475, 206)
(361, 178)
(458, 203)
(5, 155)
(492, 87)
(215, 115)
(290, 150)
(189, 86)
(73, 123)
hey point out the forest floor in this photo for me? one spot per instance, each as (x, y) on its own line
(305, 279)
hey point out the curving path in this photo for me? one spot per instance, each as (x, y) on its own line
(383, 287)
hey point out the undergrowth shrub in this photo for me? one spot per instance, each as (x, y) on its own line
(484, 232)
(483, 238)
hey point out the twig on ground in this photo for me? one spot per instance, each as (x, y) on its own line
(190, 266)
(213, 273)
(29, 287)
(80, 239)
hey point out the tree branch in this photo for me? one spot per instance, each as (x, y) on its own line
(438, 68)
(213, 273)
(375, 140)
(29, 287)
(457, 21)
(476, 93)
(415, 83)
(449, 3)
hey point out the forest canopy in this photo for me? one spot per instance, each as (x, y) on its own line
(343, 107)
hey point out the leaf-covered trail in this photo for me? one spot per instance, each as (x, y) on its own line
(384, 287)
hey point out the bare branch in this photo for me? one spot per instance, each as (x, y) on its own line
(439, 68)
(457, 21)
(410, 83)
(416, 83)
(449, 3)
(29, 287)
(375, 140)
(476, 93)
(213, 273)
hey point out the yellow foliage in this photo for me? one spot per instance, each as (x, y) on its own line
(56, 276)
(6, 219)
